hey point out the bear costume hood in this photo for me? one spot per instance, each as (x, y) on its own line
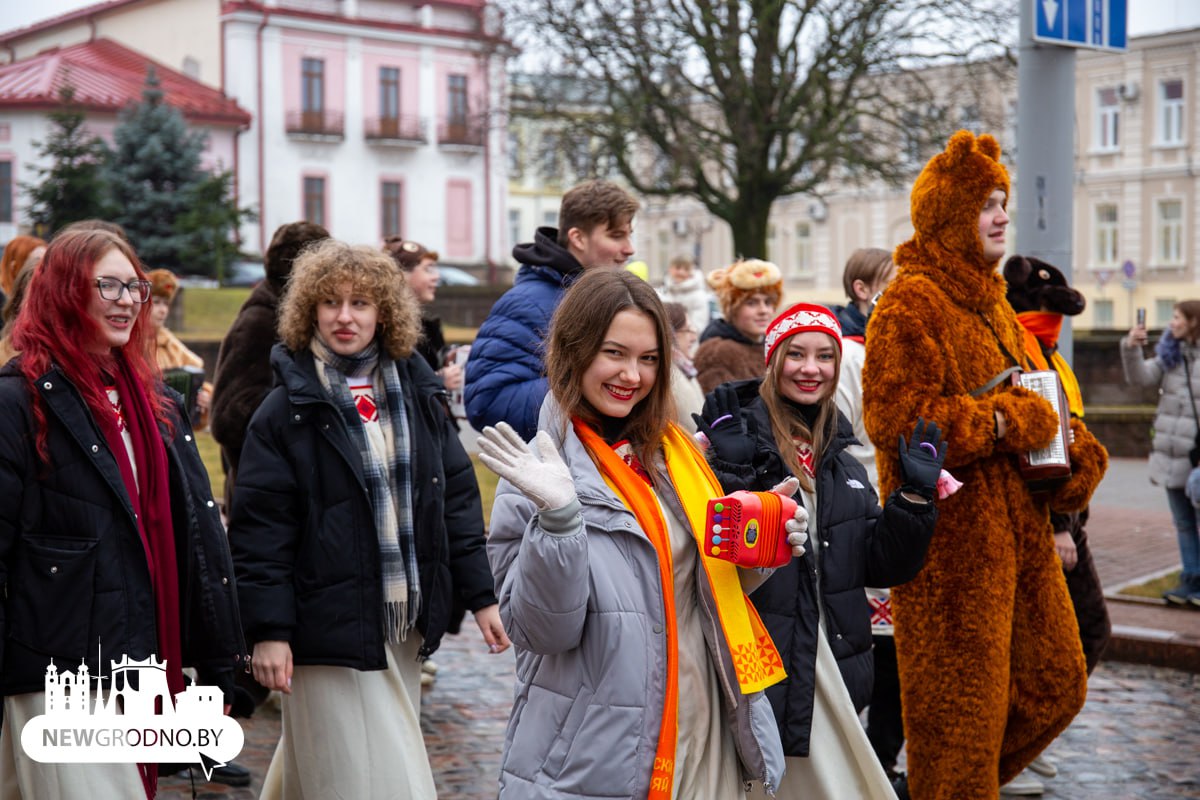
(946, 201)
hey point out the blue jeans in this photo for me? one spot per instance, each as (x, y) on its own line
(1184, 514)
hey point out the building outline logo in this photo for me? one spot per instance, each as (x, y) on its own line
(133, 722)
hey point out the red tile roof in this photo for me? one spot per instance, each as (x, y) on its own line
(68, 17)
(107, 77)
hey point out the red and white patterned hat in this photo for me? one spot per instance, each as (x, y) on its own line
(798, 319)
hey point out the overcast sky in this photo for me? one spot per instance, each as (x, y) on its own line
(1145, 16)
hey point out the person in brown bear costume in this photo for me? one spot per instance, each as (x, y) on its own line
(991, 667)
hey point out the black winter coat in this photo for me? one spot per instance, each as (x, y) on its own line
(860, 545)
(72, 563)
(303, 532)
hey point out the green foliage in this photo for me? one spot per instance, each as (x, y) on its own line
(177, 215)
(72, 187)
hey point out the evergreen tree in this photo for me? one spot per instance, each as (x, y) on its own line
(177, 215)
(71, 188)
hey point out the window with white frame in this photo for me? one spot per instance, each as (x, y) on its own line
(1108, 119)
(1168, 235)
(803, 266)
(389, 208)
(1102, 313)
(514, 155)
(772, 243)
(314, 199)
(1164, 309)
(6, 191)
(1170, 111)
(1107, 221)
(515, 226)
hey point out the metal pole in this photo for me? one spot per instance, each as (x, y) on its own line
(1045, 152)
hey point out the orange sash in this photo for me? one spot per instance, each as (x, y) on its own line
(756, 660)
(1041, 327)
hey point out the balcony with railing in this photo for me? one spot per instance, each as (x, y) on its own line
(468, 133)
(405, 130)
(322, 125)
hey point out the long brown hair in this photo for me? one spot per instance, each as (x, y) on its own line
(1190, 309)
(787, 426)
(576, 333)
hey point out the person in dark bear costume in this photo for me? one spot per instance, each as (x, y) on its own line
(1041, 296)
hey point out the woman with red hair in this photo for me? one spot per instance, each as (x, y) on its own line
(109, 536)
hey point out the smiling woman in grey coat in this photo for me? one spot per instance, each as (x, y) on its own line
(625, 632)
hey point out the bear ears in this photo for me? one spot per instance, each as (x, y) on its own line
(963, 143)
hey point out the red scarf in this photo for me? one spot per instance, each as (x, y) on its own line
(153, 507)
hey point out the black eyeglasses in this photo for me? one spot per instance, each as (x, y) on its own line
(111, 289)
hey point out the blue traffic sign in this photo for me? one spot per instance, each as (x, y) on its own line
(1092, 24)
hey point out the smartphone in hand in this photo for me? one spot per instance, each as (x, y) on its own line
(1141, 317)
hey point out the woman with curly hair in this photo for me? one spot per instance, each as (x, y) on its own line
(356, 512)
(109, 536)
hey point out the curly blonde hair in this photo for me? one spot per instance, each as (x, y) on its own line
(320, 272)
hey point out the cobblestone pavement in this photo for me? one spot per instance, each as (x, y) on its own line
(1136, 739)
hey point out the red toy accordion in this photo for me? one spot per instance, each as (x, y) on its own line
(747, 529)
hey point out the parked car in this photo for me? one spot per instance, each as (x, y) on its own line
(453, 276)
(243, 273)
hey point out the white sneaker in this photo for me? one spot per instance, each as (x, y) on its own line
(1023, 785)
(1044, 767)
(428, 667)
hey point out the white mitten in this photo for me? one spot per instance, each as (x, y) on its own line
(797, 531)
(545, 481)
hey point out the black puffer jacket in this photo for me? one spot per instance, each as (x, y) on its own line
(73, 566)
(303, 532)
(860, 546)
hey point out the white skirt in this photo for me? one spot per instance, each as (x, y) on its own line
(347, 733)
(22, 778)
(840, 760)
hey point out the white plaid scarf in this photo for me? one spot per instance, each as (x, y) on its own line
(389, 482)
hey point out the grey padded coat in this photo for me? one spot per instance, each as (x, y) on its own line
(581, 600)
(1175, 419)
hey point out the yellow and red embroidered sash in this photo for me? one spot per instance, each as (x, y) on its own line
(755, 658)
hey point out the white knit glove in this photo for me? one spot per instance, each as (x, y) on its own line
(545, 481)
(797, 526)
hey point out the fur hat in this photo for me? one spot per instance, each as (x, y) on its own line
(286, 244)
(1034, 285)
(798, 319)
(163, 283)
(952, 189)
(408, 254)
(735, 284)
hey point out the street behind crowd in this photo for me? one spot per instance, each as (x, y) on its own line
(1136, 738)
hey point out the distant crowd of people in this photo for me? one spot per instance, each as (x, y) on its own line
(930, 578)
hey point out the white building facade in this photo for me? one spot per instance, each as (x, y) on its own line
(371, 117)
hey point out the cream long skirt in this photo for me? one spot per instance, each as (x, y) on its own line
(840, 762)
(22, 778)
(353, 734)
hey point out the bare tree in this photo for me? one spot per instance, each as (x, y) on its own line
(739, 102)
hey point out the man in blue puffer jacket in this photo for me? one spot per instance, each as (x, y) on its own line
(505, 375)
